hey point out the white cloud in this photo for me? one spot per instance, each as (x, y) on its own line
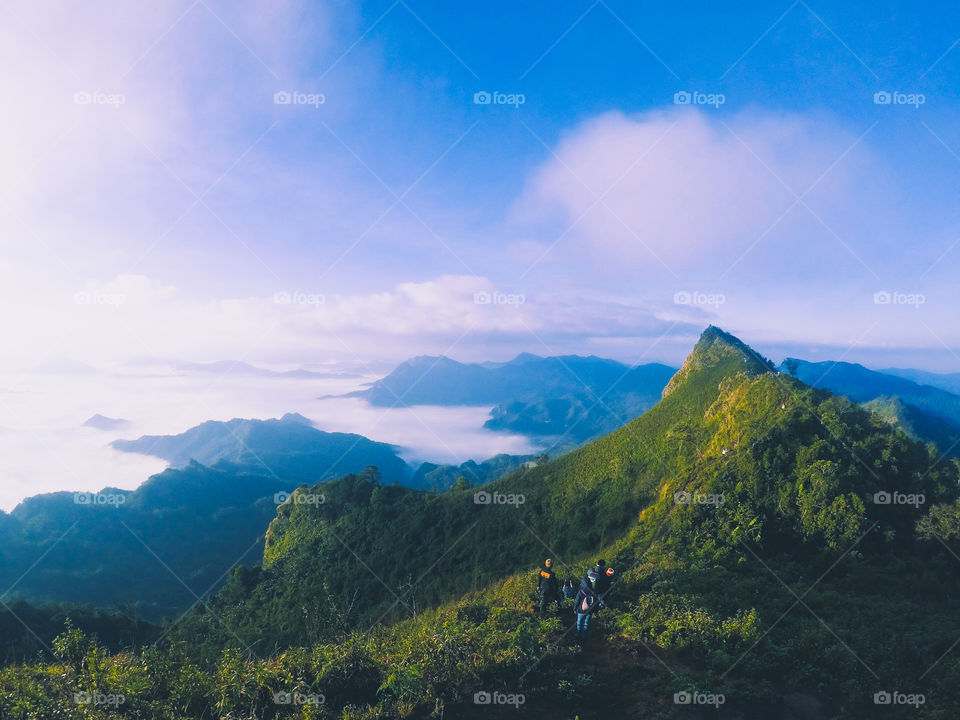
(686, 191)
(133, 316)
(117, 114)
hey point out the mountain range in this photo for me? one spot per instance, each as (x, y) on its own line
(560, 401)
(925, 412)
(779, 551)
(772, 548)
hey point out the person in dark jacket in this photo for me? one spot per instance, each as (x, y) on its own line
(585, 604)
(608, 584)
(603, 579)
(548, 587)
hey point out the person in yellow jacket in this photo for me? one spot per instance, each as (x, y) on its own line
(548, 587)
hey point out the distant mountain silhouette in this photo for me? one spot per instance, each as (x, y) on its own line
(565, 399)
(101, 422)
(289, 447)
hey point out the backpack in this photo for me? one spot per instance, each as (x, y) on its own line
(588, 602)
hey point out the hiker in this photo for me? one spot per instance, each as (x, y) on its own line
(569, 590)
(603, 580)
(586, 603)
(548, 587)
(608, 586)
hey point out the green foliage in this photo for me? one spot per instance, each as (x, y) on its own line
(942, 522)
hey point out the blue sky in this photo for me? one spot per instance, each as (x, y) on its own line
(599, 215)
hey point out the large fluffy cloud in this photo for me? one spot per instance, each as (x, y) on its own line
(679, 189)
(796, 222)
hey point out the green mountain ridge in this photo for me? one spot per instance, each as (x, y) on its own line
(928, 413)
(754, 563)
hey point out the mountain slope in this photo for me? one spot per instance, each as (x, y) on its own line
(289, 447)
(915, 422)
(935, 411)
(152, 550)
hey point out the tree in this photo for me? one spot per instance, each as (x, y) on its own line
(370, 474)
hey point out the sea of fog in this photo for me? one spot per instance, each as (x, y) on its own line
(45, 447)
